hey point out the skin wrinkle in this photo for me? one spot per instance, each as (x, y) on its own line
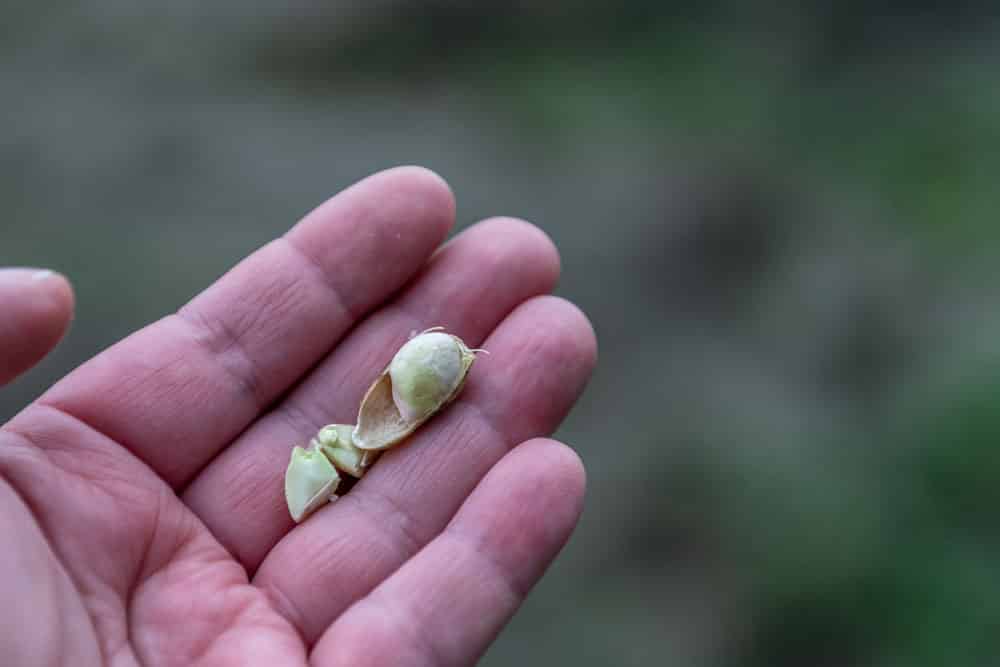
(122, 589)
(60, 620)
(135, 586)
(217, 340)
(461, 431)
(199, 563)
(379, 505)
(168, 380)
(511, 593)
(375, 556)
(354, 312)
(221, 337)
(183, 534)
(209, 642)
(104, 616)
(342, 546)
(474, 546)
(565, 372)
(46, 531)
(295, 415)
(288, 296)
(285, 607)
(431, 651)
(52, 562)
(96, 458)
(245, 486)
(371, 359)
(374, 238)
(305, 416)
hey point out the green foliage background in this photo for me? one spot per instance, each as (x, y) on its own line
(782, 223)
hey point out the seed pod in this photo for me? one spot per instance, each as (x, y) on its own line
(310, 481)
(336, 441)
(426, 374)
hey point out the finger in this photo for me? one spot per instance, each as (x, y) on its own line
(448, 603)
(541, 357)
(36, 307)
(468, 287)
(181, 389)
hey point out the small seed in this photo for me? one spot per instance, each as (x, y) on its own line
(310, 481)
(426, 374)
(336, 441)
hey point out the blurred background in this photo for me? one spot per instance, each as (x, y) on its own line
(781, 221)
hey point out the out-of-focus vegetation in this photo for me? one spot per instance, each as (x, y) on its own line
(781, 222)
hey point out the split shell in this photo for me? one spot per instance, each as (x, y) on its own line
(431, 370)
(337, 442)
(310, 481)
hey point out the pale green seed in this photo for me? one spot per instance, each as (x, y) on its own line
(424, 373)
(337, 443)
(310, 481)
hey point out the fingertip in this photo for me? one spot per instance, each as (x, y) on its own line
(579, 331)
(571, 339)
(426, 195)
(52, 306)
(561, 470)
(540, 473)
(39, 299)
(38, 307)
(542, 357)
(374, 236)
(484, 273)
(534, 245)
(428, 183)
(59, 295)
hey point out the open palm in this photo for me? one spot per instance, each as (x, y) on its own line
(141, 498)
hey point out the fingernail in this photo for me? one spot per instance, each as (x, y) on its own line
(39, 276)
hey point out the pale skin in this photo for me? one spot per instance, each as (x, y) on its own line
(141, 497)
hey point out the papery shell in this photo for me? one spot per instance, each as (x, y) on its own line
(380, 424)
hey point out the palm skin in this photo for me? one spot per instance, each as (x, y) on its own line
(141, 497)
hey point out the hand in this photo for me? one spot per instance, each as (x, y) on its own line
(141, 498)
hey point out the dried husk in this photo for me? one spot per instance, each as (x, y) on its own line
(380, 423)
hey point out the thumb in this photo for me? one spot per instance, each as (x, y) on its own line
(36, 307)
